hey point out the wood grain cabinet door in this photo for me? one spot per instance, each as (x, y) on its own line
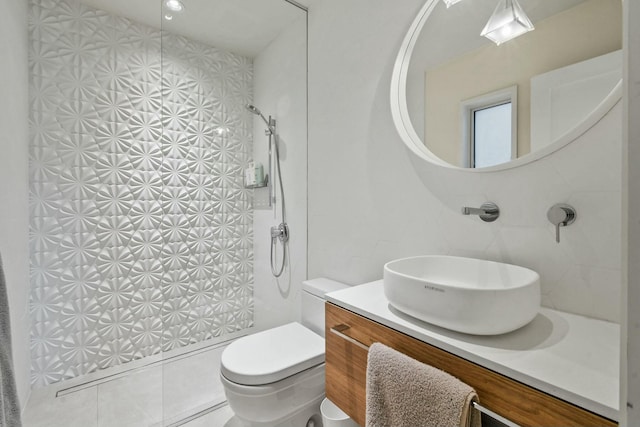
(346, 367)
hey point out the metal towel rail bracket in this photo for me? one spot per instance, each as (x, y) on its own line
(339, 331)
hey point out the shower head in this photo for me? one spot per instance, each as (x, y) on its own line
(270, 123)
(253, 109)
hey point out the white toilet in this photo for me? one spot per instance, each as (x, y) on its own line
(276, 377)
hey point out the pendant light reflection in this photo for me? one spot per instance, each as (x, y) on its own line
(507, 22)
(450, 3)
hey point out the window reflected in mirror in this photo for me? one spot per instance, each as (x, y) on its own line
(491, 137)
(489, 128)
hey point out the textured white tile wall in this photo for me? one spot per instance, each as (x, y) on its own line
(371, 200)
(14, 180)
(141, 230)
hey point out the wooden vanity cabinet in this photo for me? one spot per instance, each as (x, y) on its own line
(346, 367)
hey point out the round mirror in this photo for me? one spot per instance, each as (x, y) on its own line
(487, 102)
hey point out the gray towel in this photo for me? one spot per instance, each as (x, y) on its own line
(9, 406)
(402, 392)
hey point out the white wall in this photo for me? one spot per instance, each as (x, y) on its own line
(280, 90)
(371, 200)
(14, 188)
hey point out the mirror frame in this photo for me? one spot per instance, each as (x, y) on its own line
(402, 121)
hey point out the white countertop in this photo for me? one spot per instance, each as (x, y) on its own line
(572, 357)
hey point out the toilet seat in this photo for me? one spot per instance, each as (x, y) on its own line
(272, 355)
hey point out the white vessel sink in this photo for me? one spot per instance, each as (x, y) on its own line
(463, 294)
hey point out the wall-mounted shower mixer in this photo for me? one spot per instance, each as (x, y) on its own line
(280, 232)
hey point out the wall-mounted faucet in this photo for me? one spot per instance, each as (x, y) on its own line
(561, 215)
(488, 212)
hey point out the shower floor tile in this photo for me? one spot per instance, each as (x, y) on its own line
(76, 409)
(165, 393)
(192, 383)
(134, 400)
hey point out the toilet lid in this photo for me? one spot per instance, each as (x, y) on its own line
(272, 355)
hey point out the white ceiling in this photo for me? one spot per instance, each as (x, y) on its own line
(241, 26)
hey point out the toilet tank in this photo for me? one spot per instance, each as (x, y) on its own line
(313, 292)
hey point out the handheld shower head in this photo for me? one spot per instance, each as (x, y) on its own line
(253, 109)
(270, 123)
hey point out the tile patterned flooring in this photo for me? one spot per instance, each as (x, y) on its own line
(180, 391)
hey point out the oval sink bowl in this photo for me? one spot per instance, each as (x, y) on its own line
(463, 294)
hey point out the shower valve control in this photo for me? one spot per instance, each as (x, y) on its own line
(280, 232)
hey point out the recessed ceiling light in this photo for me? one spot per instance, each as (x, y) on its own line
(174, 5)
(168, 17)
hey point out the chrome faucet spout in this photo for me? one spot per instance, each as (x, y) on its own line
(488, 212)
(472, 211)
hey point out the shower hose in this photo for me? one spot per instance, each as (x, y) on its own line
(280, 232)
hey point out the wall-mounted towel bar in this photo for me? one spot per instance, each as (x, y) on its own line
(339, 331)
